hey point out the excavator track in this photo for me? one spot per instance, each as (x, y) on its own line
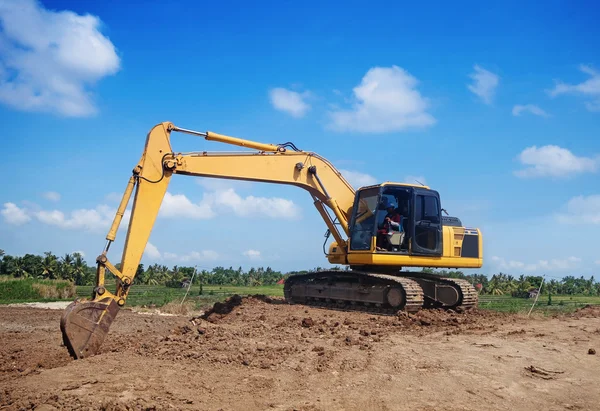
(379, 293)
(442, 292)
(355, 291)
(470, 297)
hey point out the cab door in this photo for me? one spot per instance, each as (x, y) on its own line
(426, 230)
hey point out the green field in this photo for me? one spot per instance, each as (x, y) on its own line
(26, 290)
(158, 295)
(560, 303)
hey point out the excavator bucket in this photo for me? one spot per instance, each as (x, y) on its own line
(84, 325)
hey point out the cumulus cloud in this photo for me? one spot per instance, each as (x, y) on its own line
(484, 84)
(273, 207)
(14, 215)
(590, 87)
(289, 101)
(252, 254)
(193, 256)
(357, 179)
(52, 196)
(174, 206)
(50, 60)
(581, 210)
(95, 220)
(554, 161)
(178, 205)
(225, 201)
(154, 254)
(386, 100)
(541, 265)
(528, 108)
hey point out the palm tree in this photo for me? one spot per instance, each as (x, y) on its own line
(495, 285)
(66, 267)
(49, 265)
(20, 268)
(79, 269)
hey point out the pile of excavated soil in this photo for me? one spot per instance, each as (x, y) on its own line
(256, 353)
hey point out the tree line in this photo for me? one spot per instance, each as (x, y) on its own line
(73, 267)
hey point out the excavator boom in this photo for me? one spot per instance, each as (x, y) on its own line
(85, 324)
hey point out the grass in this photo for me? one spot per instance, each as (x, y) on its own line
(30, 290)
(159, 295)
(169, 299)
(560, 303)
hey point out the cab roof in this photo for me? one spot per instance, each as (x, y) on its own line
(391, 183)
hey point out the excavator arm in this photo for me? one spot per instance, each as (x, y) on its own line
(84, 323)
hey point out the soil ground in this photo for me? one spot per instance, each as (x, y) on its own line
(267, 355)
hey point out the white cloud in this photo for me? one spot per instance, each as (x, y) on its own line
(386, 100)
(541, 265)
(531, 108)
(415, 180)
(252, 254)
(95, 220)
(204, 255)
(52, 196)
(152, 252)
(590, 87)
(357, 179)
(14, 215)
(554, 161)
(223, 201)
(581, 210)
(173, 206)
(289, 101)
(178, 205)
(484, 84)
(273, 207)
(49, 60)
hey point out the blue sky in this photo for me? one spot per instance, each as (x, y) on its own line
(495, 106)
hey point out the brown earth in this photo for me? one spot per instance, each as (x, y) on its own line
(257, 354)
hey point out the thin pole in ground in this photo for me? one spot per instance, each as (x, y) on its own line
(189, 286)
(537, 296)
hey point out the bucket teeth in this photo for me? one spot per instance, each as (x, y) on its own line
(85, 324)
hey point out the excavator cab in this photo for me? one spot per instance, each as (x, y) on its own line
(420, 211)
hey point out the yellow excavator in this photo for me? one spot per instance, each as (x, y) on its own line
(377, 231)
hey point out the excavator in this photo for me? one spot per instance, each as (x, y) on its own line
(374, 257)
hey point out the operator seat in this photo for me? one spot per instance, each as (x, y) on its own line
(396, 238)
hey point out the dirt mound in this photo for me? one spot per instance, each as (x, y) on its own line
(589, 311)
(221, 309)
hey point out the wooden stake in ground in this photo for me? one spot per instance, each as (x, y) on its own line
(189, 286)
(537, 296)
